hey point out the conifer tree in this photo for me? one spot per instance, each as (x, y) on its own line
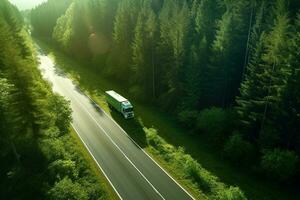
(261, 92)
(228, 49)
(144, 45)
(123, 33)
(290, 119)
(174, 31)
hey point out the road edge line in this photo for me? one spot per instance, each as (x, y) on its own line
(122, 152)
(141, 148)
(97, 162)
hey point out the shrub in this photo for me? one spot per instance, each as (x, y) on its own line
(190, 168)
(62, 113)
(62, 168)
(215, 122)
(238, 150)
(269, 137)
(231, 193)
(53, 149)
(92, 188)
(188, 118)
(206, 181)
(279, 164)
(66, 189)
(152, 138)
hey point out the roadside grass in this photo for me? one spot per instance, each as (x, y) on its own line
(167, 127)
(133, 127)
(102, 181)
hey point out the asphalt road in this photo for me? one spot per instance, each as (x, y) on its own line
(130, 171)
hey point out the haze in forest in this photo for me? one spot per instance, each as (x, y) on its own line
(26, 4)
(212, 88)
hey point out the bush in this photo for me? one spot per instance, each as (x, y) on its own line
(92, 188)
(279, 164)
(53, 149)
(66, 189)
(238, 150)
(190, 168)
(62, 168)
(216, 123)
(152, 138)
(188, 118)
(231, 193)
(269, 137)
(62, 113)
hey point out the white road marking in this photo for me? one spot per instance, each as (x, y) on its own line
(96, 162)
(118, 148)
(141, 148)
(122, 151)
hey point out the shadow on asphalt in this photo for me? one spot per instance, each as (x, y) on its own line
(132, 127)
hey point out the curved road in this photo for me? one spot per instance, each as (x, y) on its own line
(130, 171)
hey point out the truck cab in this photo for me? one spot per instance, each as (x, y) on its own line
(127, 110)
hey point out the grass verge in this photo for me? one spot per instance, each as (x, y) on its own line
(167, 127)
(102, 181)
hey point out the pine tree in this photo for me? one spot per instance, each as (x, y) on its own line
(64, 31)
(290, 119)
(228, 52)
(268, 71)
(175, 26)
(123, 33)
(10, 117)
(144, 46)
(204, 15)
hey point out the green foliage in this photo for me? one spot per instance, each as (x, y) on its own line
(280, 164)
(291, 96)
(191, 169)
(230, 41)
(188, 118)
(62, 113)
(174, 31)
(34, 126)
(48, 11)
(53, 149)
(67, 189)
(188, 56)
(238, 150)
(231, 193)
(266, 109)
(144, 52)
(63, 31)
(216, 123)
(269, 137)
(63, 168)
(263, 88)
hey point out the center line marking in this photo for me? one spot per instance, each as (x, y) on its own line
(117, 146)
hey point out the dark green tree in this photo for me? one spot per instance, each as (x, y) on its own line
(144, 48)
(174, 32)
(268, 72)
(228, 50)
(120, 59)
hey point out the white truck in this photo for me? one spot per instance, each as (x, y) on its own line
(119, 103)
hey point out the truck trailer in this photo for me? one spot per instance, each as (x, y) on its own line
(120, 104)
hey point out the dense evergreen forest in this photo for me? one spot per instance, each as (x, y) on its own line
(228, 69)
(38, 158)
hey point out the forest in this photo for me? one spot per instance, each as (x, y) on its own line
(226, 69)
(38, 158)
